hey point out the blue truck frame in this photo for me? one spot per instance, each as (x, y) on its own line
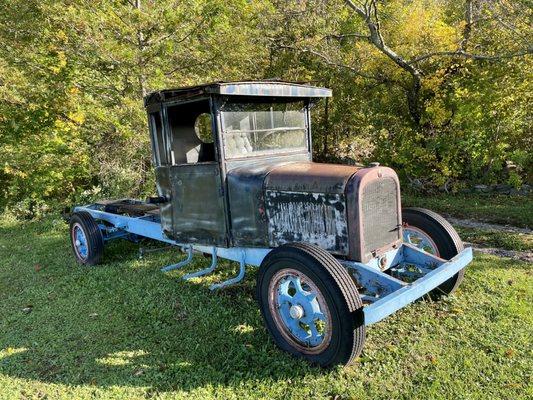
(382, 293)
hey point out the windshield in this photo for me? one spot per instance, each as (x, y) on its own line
(252, 129)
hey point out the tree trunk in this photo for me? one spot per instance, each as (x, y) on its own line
(140, 58)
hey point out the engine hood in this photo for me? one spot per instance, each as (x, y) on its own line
(309, 177)
(349, 211)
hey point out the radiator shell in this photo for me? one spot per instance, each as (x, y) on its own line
(374, 213)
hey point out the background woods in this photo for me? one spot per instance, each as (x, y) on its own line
(438, 89)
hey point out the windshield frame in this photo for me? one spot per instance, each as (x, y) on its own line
(275, 152)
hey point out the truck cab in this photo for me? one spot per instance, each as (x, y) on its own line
(234, 167)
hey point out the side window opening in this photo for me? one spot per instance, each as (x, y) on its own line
(203, 127)
(191, 133)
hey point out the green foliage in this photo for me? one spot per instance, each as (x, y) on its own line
(73, 74)
(71, 115)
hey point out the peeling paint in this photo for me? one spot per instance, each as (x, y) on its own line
(317, 218)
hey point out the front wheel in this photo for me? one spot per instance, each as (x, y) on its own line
(310, 305)
(430, 232)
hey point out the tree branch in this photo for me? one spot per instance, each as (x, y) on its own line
(467, 31)
(462, 54)
(346, 36)
(369, 13)
(327, 60)
(377, 39)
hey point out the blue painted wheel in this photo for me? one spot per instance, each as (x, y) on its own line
(80, 242)
(310, 305)
(300, 310)
(420, 239)
(430, 232)
(86, 238)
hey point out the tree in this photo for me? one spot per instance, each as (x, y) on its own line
(88, 66)
(408, 59)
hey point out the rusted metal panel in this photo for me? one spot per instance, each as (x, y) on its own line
(253, 88)
(198, 209)
(310, 177)
(164, 189)
(274, 89)
(249, 225)
(361, 248)
(317, 218)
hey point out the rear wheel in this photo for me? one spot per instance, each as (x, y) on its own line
(86, 238)
(310, 305)
(430, 232)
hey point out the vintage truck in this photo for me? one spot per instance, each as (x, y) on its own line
(236, 179)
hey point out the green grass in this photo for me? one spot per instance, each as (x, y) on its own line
(513, 210)
(124, 330)
(503, 240)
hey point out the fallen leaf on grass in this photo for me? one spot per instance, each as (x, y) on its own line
(37, 267)
(509, 353)
(432, 358)
(41, 395)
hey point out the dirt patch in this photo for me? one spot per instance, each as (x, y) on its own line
(470, 223)
(526, 256)
(514, 254)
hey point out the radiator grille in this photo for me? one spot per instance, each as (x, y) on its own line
(379, 214)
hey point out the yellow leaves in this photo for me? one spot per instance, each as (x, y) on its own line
(61, 36)
(419, 27)
(72, 121)
(61, 124)
(11, 351)
(434, 81)
(77, 117)
(461, 93)
(61, 63)
(9, 170)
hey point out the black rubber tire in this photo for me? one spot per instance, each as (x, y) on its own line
(95, 240)
(446, 239)
(339, 291)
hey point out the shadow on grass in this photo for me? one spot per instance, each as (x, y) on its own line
(125, 323)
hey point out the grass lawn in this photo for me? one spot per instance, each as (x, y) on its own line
(124, 330)
(513, 210)
(503, 240)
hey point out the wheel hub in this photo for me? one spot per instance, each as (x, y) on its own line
(80, 241)
(296, 311)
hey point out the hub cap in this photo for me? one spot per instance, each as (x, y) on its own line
(299, 311)
(80, 241)
(296, 312)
